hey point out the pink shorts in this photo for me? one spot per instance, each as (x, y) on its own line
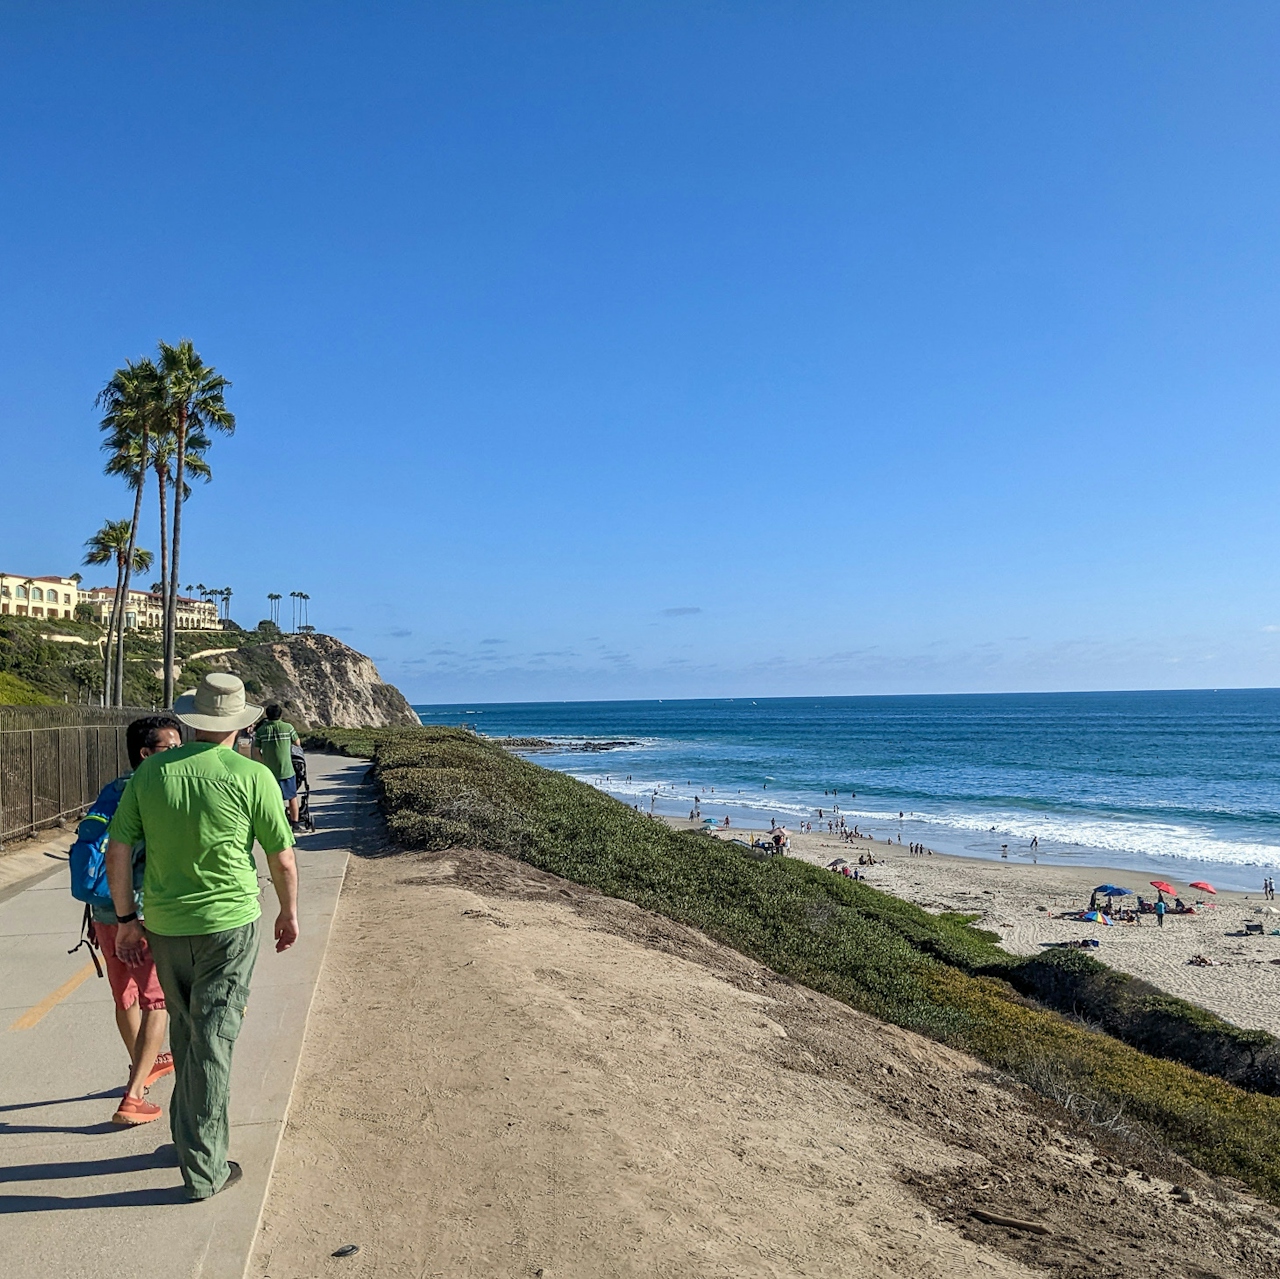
(129, 985)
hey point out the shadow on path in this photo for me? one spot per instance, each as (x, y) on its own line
(160, 1157)
(114, 1199)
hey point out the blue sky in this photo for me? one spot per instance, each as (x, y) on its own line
(675, 350)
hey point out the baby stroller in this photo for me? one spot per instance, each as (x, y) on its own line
(304, 789)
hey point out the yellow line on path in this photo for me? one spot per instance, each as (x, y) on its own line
(49, 1002)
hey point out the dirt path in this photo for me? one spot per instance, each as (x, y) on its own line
(506, 1075)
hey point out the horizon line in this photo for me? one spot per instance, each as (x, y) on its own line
(849, 697)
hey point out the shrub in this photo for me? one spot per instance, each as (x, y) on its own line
(1147, 1018)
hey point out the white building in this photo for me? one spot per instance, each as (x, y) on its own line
(38, 596)
(142, 610)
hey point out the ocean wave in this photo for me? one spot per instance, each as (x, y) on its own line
(1106, 837)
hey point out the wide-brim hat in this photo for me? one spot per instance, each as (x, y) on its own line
(217, 706)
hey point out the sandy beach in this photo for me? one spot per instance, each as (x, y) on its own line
(1023, 904)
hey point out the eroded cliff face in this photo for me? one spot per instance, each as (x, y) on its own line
(320, 680)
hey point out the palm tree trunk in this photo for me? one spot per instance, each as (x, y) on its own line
(128, 567)
(171, 616)
(108, 696)
(164, 548)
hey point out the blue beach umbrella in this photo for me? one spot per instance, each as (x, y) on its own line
(1111, 890)
(710, 821)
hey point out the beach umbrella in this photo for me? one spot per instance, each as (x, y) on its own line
(1204, 888)
(1161, 887)
(1113, 890)
(1096, 917)
(710, 821)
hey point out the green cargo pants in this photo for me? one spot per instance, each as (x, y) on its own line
(206, 988)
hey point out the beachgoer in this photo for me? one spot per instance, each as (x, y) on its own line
(273, 741)
(139, 1002)
(200, 807)
(1160, 910)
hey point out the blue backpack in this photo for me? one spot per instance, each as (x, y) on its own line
(89, 852)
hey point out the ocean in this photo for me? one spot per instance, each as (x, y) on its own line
(1185, 785)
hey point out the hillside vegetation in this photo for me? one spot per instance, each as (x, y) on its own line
(15, 691)
(314, 677)
(70, 667)
(934, 974)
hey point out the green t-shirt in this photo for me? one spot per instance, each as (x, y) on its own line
(274, 738)
(200, 807)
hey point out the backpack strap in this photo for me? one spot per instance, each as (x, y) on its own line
(89, 938)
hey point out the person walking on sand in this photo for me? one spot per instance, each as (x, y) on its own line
(1160, 910)
(139, 1001)
(273, 743)
(200, 808)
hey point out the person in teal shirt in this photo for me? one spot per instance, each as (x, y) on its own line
(200, 808)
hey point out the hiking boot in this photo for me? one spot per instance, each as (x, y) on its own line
(163, 1065)
(135, 1110)
(234, 1174)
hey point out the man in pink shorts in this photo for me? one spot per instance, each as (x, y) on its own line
(140, 1010)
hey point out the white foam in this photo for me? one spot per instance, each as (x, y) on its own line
(1113, 837)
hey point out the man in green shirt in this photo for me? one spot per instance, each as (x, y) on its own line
(273, 743)
(200, 808)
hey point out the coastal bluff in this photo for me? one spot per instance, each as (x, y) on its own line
(319, 680)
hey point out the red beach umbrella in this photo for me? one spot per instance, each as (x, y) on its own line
(1161, 887)
(1203, 887)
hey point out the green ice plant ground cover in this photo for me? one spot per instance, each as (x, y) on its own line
(934, 974)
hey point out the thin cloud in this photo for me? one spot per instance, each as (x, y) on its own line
(680, 612)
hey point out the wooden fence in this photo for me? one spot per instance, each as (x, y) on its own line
(54, 760)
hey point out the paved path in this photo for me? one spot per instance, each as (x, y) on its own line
(81, 1198)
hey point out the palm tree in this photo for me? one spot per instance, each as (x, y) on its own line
(163, 454)
(296, 597)
(133, 413)
(306, 619)
(112, 542)
(194, 399)
(273, 602)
